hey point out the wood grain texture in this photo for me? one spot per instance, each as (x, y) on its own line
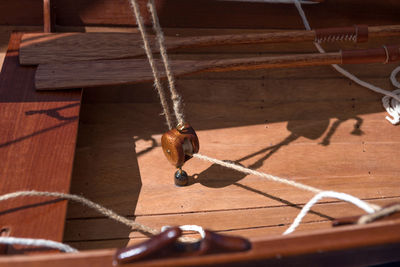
(40, 48)
(48, 16)
(285, 122)
(351, 247)
(5, 33)
(37, 143)
(84, 74)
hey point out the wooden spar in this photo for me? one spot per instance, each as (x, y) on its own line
(126, 71)
(40, 48)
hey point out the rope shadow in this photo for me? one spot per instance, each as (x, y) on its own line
(54, 112)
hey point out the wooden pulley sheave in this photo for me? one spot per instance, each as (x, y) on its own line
(179, 144)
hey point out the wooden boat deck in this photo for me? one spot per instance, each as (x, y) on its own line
(310, 125)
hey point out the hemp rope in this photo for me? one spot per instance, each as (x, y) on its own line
(106, 212)
(160, 37)
(379, 214)
(103, 210)
(175, 97)
(370, 208)
(257, 173)
(147, 48)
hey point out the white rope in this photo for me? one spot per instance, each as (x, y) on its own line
(194, 228)
(33, 242)
(395, 95)
(191, 228)
(147, 48)
(342, 196)
(392, 105)
(257, 173)
(106, 212)
(175, 97)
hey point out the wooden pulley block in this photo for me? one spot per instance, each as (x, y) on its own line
(179, 144)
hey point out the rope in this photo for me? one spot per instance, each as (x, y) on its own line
(190, 228)
(37, 243)
(257, 173)
(370, 208)
(147, 48)
(175, 97)
(106, 212)
(177, 106)
(103, 210)
(392, 105)
(342, 196)
(395, 95)
(379, 214)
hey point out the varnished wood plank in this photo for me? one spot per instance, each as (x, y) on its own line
(151, 186)
(381, 243)
(37, 143)
(5, 32)
(44, 48)
(125, 71)
(99, 244)
(248, 223)
(262, 86)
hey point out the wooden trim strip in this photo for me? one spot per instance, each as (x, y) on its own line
(48, 16)
(374, 243)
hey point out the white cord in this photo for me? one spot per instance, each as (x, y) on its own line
(32, 242)
(394, 109)
(342, 196)
(392, 105)
(189, 227)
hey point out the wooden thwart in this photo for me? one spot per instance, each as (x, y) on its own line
(40, 48)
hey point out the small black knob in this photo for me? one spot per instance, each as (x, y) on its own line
(181, 178)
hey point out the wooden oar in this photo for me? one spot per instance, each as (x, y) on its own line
(40, 48)
(125, 71)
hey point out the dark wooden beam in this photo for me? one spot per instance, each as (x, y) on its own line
(204, 13)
